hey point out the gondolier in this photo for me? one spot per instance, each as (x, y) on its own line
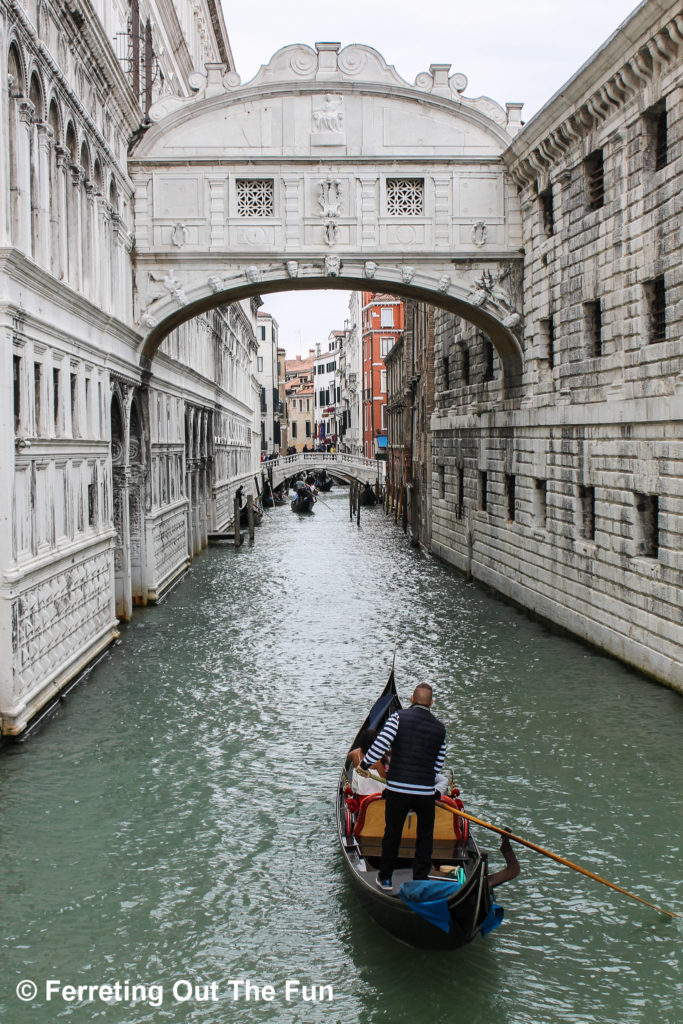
(417, 741)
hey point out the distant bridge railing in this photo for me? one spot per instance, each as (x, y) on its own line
(349, 467)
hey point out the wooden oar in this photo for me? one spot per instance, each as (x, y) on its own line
(560, 860)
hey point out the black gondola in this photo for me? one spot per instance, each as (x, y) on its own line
(360, 820)
(303, 503)
(367, 496)
(324, 484)
(244, 515)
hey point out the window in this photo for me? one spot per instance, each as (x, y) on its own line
(339, 394)
(301, 405)
(308, 405)
(510, 496)
(294, 428)
(587, 509)
(92, 497)
(445, 364)
(262, 332)
(657, 136)
(538, 501)
(56, 398)
(405, 197)
(308, 428)
(386, 317)
(264, 400)
(545, 202)
(483, 490)
(74, 405)
(460, 507)
(595, 180)
(655, 293)
(647, 525)
(548, 338)
(255, 197)
(465, 363)
(259, 364)
(385, 346)
(441, 478)
(488, 359)
(593, 323)
(331, 367)
(37, 388)
(16, 378)
(383, 381)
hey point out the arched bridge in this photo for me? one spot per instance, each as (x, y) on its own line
(339, 464)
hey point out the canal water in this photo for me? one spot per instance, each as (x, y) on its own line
(172, 824)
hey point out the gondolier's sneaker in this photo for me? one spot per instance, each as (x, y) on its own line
(385, 884)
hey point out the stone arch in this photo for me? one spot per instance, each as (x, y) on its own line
(71, 203)
(15, 69)
(36, 97)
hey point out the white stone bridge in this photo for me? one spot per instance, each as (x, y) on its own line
(328, 170)
(339, 464)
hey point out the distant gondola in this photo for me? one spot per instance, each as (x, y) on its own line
(303, 503)
(324, 484)
(367, 496)
(244, 515)
(466, 909)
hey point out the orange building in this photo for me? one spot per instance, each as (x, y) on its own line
(382, 323)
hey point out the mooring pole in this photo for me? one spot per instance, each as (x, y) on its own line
(250, 517)
(351, 500)
(358, 506)
(238, 535)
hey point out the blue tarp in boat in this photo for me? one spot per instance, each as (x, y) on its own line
(429, 899)
(492, 919)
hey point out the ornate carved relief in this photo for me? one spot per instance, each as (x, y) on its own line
(370, 268)
(487, 290)
(292, 268)
(332, 266)
(480, 234)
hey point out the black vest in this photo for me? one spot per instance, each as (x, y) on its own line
(415, 746)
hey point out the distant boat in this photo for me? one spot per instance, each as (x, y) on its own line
(324, 484)
(462, 905)
(244, 515)
(303, 503)
(367, 496)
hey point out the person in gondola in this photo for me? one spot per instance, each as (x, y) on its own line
(418, 747)
(361, 784)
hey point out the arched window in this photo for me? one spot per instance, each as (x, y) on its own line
(56, 227)
(86, 222)
(36, 98)
(16, 79)
(71, 209)
(113, 245)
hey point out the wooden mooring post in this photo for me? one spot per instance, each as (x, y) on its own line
(351, 508)
(238, 535)
(250, 517)
(358, 503)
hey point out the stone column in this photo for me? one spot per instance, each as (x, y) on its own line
(91, 251)
(23, 181)
(105, 211)
(42, 253)
(116, 276)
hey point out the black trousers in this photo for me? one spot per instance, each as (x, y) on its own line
(397, 807)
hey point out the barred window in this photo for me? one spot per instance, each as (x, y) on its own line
(255, 197)
(595, 180)
(405, 197)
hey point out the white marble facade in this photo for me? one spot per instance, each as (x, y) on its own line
(110, 478)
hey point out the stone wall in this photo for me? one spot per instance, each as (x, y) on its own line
(584, 510)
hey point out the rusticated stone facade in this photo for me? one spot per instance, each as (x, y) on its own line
(570, 501)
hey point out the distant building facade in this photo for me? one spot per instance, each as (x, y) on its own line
(299, 401)
(327, 387)
(267, 375)
(381, 325)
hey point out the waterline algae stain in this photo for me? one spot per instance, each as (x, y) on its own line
(173, 825)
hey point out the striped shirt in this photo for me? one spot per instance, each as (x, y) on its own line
(381, 747)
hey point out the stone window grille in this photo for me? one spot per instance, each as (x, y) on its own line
(445, 362)
(595, 180)
(545, 200)
(465, 364)
(647, 525)
(593, 320)
(255, 197)
(441, 477)
(656, 299)
(587, 503)
(405, 197)
(510, 496)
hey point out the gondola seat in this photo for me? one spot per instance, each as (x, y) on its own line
(449, 833)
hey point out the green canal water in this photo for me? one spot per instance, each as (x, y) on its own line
(172, 823)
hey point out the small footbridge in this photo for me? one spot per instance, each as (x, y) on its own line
(339, 464)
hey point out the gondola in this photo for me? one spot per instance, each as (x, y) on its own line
(462, 903)
(325, 484)
(244, 515)
(367, 496)
(303, 503)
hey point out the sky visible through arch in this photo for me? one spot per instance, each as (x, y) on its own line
(513, 51)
